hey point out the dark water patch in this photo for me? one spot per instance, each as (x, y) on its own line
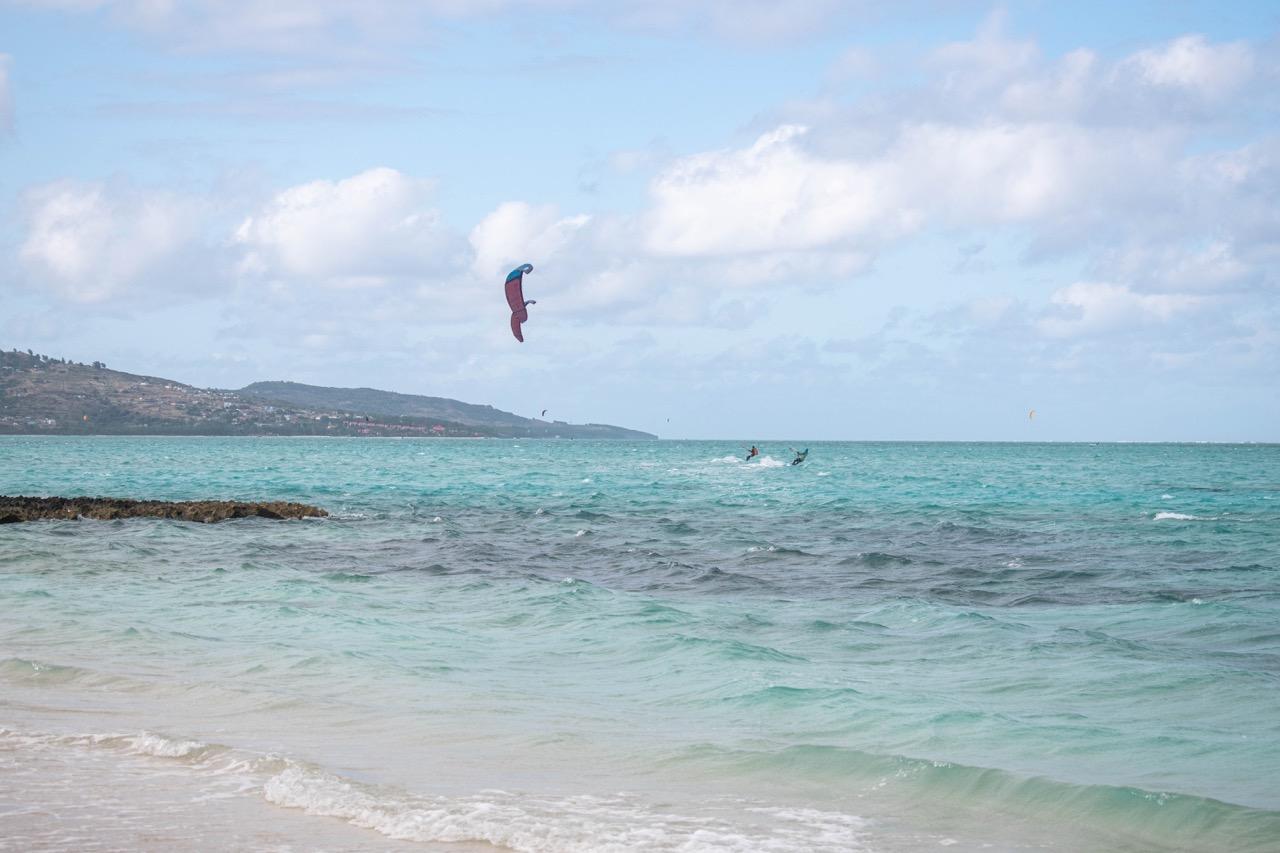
(1073, 637)
(978, 533)
(677, 576)
(728, 581)
(959, 595)
(876, 559)
(347, 577)
(656, 613)
(947, 718)
(1179, 596)
(1034, 599)
(678, 528)
(778, 553)
(1265, 639)
(1076, 576)
(426, 569)
(967, 573)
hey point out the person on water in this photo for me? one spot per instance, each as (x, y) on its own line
(800, 455)
(753, 452)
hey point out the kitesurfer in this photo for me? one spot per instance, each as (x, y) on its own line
(752, 453)
(800, 455)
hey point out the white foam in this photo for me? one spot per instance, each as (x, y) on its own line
(727, 459)
(1174, 516)
(770, 462)
(824, 473)
(580, 533)
(513, 820)
(437, 520)
(609, 824)
(149, 743)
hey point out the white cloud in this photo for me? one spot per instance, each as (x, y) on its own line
(1189, 78)
(991, 57)
(1192, 63)
(771, 197)
(516, 231)
(90, 242)
(1180, 269)
(1093, 307)
(370, 229)
(779, 196)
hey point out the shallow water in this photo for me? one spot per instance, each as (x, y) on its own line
(593, 646)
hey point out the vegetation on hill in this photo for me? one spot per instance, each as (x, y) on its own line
(39, 394)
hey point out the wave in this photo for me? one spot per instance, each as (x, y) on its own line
(515, 821)
(48, 674)
(1179, 516)
(727, 649)
(762, 461)
(876, 559)
(1166, 819)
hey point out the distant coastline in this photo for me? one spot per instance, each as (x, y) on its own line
(42, 395)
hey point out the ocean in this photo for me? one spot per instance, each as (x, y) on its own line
(609, 646)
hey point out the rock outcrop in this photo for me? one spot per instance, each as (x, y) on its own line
(15, 509)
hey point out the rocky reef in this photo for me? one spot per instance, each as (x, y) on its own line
(15, 509)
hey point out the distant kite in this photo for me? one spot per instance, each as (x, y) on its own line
(1031, 415)
(544, 413)
(515, 298)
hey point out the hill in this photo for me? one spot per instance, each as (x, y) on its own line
(43, 395)
(369, 400)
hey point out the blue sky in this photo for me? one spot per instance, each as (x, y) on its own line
(748, 220)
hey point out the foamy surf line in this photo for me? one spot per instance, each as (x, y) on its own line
(507, 820)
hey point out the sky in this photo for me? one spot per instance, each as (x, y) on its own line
(748, 220)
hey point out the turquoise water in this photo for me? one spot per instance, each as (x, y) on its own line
(652, 645)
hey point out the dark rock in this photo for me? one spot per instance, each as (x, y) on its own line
(20, 508)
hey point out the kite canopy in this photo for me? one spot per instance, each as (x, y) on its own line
(515, 298)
